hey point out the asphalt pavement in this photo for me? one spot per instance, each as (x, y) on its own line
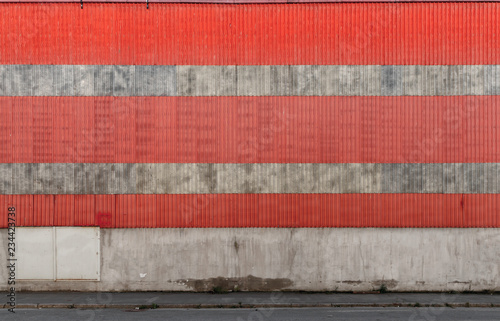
(277, 314)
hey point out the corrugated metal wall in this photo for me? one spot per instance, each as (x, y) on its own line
(271, 115)
(257, 210)
(271, 34)
(329, 129)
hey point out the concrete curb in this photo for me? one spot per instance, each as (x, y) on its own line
(251, 306)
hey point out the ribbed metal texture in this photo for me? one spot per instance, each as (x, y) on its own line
(403, 129)
(274, 34)
(230, 1)
(268, 115)
(258, 210)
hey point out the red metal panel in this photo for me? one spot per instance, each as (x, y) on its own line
(64, 210)
(259, 210)
(64, 127)
(83, 143)
(165, 135)
(126, 211)
(105, 210)
(6, 129)
(162, 209)
(84, 210)
(233, 1)
(21, 210)
(22, 129)
(43, 128)
(4, 204)
(257, 129)
(211, 34)
(146, 211)
(146, 132)
(104, 129)
(44, 209)
(125, 129)
(24, 208)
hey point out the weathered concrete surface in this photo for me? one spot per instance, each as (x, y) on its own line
(310, 259)
(147, 178)
(296, 80)
(206, 80)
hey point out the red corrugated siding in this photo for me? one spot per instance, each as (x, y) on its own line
(105, 210)
(84, 210)
(232, 1)
(258, 210)
(207, 34)
(43, 210)
(64, 210)
(460, 129)
(6, 130)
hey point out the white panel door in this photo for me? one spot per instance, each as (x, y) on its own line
(35, 253)
(77, 253)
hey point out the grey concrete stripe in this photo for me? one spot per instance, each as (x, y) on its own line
(317, 80)
(47, 178)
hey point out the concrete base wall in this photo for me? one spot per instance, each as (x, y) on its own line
(310, 259)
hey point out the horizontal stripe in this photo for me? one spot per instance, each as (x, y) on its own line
(248, 178)
(272, 34)
(255, 210)
(458, 129)
(70, 80)
(232, 1)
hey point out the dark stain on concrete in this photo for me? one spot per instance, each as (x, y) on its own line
(248, 283)
(210, 177)
(248, 168)
(249, 187)
(388, 283)
(459, 282)
(352, 282)
(191, 81)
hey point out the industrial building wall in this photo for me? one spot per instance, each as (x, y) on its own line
(318, 146)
